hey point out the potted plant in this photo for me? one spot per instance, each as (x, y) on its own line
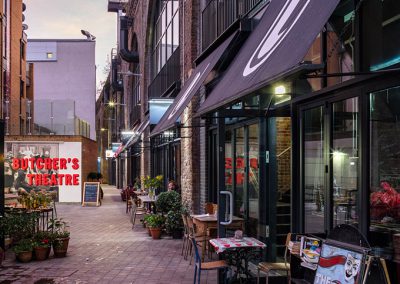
(155, 222)
(23, 250)
(169, 203)
(146, 223)
(152, 183)
(174, 224)
(60, 237)
(42, 245)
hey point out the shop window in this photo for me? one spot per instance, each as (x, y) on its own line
(384, 165)
(344, 156)
(382, 33)
(314, 171)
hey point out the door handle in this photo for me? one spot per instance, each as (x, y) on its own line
(228, 193)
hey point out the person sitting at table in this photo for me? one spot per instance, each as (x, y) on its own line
(172, 185)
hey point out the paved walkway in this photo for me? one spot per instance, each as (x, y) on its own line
(104, 249)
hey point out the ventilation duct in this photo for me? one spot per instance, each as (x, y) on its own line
(129, 56)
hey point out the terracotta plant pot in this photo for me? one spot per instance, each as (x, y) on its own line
(155, 233)
(60, 247)
(148, 231)
(24, 256)
(42, 253)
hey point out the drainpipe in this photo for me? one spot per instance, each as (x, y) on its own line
(129, 56)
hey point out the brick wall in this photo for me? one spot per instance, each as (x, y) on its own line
(190, 146)
(283, 150)
(17, 68)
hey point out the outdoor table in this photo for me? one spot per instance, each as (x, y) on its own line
(205, 222)
(239, 252)
(148, 202)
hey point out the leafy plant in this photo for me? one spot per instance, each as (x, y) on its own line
(59, 228)
(169, 201)
(173, 221)
(155, 220)
(23, 246)
(149, 182)
(18, 225)
(43, 239)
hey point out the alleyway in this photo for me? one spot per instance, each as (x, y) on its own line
(104, 249)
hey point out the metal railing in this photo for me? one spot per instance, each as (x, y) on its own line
(219, 15)
(168, 75)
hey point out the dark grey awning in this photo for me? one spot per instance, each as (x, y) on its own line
(278, 45)
(192, 85)
(137, 131)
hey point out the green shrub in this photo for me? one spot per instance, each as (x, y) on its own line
(168, 201)
(23, 245)
(155, 221)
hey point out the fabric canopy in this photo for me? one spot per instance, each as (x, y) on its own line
(277, 46)
(192, 85)
(137, 131)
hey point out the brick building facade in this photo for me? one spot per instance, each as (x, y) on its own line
(17, 102)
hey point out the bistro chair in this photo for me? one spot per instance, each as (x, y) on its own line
(186, 239)
(267, 267)
(212, 265)
(193, 235)
(135, 211)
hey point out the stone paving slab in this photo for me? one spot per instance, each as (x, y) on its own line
(104, 249)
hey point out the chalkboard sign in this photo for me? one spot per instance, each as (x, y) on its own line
(91, 194)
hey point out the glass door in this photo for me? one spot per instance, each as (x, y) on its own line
(330, 158)
(314, 170)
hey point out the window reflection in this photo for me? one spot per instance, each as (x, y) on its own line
(314, 189)
(384, 165)
(166, 36)
(345, 161)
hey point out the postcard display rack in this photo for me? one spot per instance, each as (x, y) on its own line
(329, 261)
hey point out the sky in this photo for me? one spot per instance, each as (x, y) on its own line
(61, 19)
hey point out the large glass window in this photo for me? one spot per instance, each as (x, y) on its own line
(314, 171)
(384, 165)
(240, 172)
(345, 161)
(254, 174)
(166, 35)
(382, 33)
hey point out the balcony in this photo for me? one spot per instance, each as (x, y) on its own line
(219, 15)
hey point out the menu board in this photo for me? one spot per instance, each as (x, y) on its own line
(339, 265)
(91, 194)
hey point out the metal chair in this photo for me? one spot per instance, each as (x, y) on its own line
(212, 265)
(267, 267)
(135, 211)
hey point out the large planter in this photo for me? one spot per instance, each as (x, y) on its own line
(24, 256)
(155, 233)
(42, 253)
(60, 247)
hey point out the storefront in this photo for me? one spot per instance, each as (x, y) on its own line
(166, 157)
(309, 133)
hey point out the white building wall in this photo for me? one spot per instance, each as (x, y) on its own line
(69, 74)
